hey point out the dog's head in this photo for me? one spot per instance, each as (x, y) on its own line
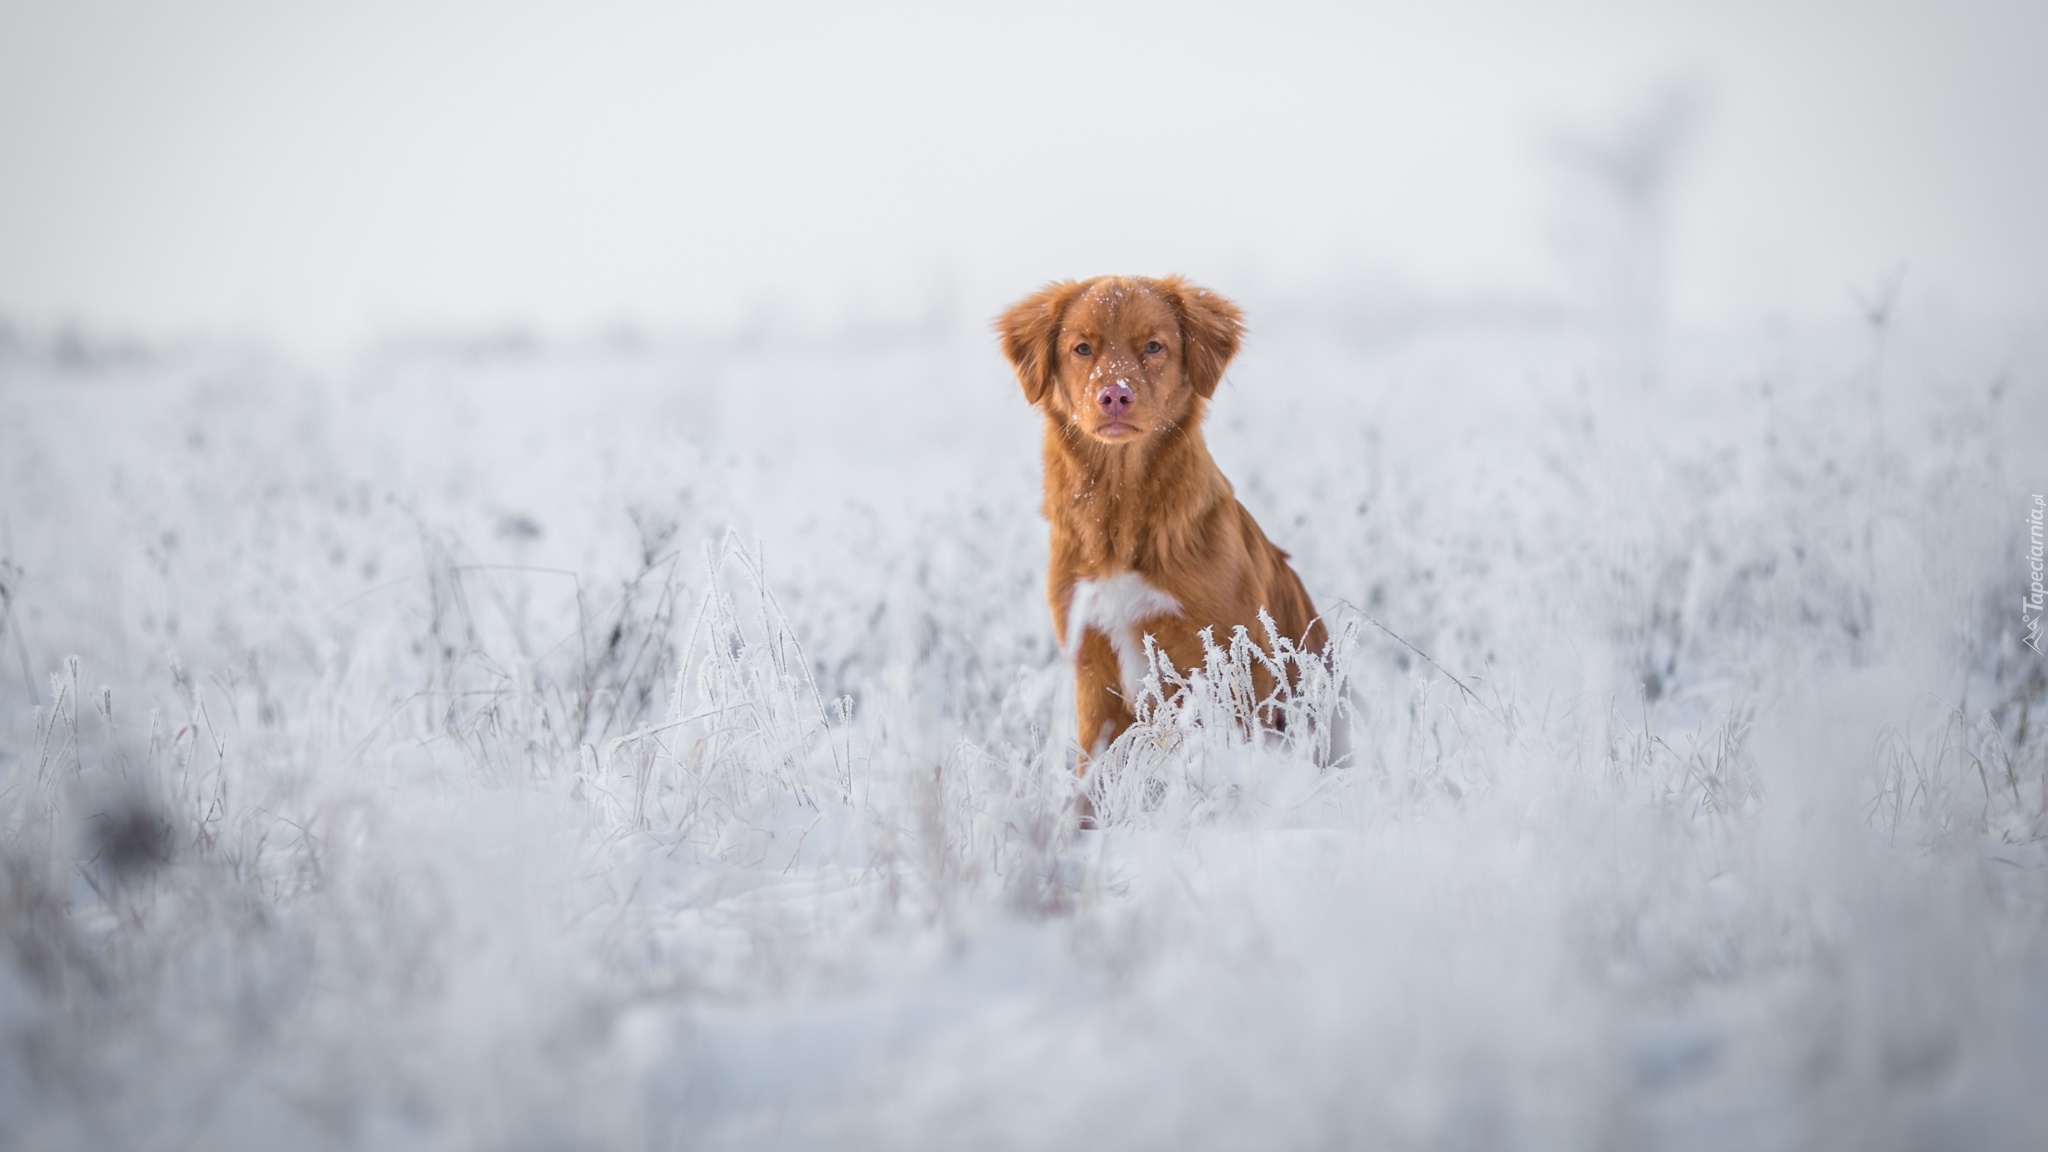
(1120, 357)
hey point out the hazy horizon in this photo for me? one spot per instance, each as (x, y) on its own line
(324, 175)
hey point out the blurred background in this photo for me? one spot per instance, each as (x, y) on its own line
(521, 590)
(318, 174)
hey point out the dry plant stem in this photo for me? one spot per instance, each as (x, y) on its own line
(1427, 658)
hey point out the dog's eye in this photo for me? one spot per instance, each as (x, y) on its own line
(1082, 349)
(1154, 348)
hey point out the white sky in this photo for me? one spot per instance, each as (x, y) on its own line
(317, 172)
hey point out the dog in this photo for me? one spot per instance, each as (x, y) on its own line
(1148, 538)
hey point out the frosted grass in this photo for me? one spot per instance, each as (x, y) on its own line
(663, 745)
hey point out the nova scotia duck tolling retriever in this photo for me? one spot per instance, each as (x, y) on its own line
(1147, 536)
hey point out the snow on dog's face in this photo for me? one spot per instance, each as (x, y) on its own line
(1120, 358)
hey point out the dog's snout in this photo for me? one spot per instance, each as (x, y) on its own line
(1115, 400)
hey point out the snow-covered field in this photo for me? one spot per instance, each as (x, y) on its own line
(660, 743)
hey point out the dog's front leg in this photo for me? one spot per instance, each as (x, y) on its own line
(1100, 712)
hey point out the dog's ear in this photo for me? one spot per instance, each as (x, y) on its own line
(1027, 330)
(1210, 329)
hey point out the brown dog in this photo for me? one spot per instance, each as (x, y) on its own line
(1147, 536)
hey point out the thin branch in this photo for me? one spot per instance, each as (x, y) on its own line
(1427, 658)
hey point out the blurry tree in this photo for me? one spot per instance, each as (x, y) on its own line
(1615, 185)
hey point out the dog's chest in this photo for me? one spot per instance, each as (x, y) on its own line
(1118, 605)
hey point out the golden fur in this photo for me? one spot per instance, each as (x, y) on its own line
(1123, 367)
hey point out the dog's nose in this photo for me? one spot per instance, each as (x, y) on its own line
(1115, 400)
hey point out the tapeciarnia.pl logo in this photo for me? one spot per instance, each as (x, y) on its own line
(2031, 608)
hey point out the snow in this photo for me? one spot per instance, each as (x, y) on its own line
(663, 743)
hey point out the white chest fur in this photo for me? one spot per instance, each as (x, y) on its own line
(1117, 605)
